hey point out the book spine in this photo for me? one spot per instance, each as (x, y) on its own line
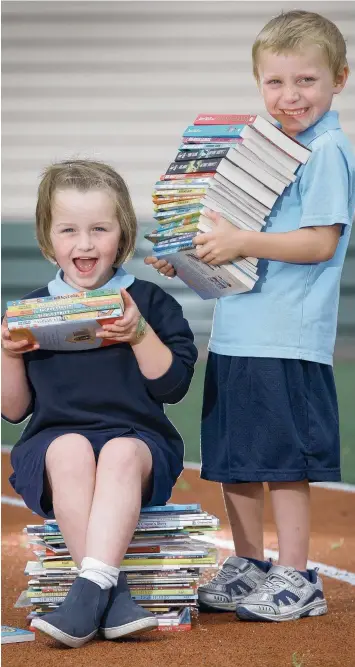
(197, 174)
(208, 140)
(54, 312)
(224, 119)
(58, 319)
(63, 297)
(193, 166)
(213, 131)
(201, 154)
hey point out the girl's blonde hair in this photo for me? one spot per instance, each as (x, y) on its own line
(85, 175)
(291, 30)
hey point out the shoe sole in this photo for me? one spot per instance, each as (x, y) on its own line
(59, 635)
(318, 609)
(133, 628)
(221, 606)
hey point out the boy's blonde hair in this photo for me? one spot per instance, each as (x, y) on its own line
(85, 175)
(291, 30)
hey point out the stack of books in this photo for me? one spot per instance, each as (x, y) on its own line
(236, 165)
(163, 564)
(67, 322)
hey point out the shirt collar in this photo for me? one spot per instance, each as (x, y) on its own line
(58, 287)
(329, 121)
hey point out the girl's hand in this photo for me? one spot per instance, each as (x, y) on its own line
(224, 243)
(162, 266)
(125, 329)
(12, 349)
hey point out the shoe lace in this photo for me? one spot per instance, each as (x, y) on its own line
(273, 582)
(226, 573)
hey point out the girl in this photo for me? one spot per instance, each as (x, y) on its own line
(98, 445)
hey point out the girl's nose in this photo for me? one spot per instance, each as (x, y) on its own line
(85, 242)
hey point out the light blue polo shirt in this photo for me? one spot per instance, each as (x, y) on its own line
(291, 312)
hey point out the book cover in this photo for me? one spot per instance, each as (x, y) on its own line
(63, 297)
(172, 507)
(11, 635)
(66, 335)
(209, 282)
(172, 177)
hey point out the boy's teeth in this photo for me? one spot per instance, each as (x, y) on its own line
(294, 113)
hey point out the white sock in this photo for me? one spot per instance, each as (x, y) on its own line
(101, 574)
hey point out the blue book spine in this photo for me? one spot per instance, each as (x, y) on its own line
(193, 507)
(213, 131)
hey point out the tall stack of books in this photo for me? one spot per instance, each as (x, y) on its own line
(163, 564)
(236, 165)
(67, 322)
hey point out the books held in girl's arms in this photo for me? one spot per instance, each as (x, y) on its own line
(10, 635)
(64, 324)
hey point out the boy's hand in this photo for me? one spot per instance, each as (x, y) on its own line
(224, 243)
(162, 266)
(123, 330)
(12, 349)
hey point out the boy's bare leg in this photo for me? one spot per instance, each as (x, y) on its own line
(123, 475)
(71, 468)
(291, 506)
(245, 508)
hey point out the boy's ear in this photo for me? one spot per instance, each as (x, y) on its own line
(341, 79)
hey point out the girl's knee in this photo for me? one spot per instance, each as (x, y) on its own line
(126, 453)
(68, 453)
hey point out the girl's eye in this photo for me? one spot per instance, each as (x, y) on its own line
(274, 81)
(100, 229)
(308, 79)
(67, 229)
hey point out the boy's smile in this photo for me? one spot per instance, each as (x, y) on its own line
(85, 235)
(298, 86)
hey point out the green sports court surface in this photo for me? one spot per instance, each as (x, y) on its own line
(186, 417)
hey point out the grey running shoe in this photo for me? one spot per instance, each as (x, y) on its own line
(285, 595)
(235, 580)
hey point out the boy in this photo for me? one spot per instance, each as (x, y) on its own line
(270, 408)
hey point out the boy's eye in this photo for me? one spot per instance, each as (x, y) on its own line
(307, 79)
(100, 229)
(67, 229)
(272, 81)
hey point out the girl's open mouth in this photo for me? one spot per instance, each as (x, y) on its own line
(85, 264)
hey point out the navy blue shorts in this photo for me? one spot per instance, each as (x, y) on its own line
(269, 420)
(28, 462)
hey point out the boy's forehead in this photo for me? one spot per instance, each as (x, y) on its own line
(307, 56)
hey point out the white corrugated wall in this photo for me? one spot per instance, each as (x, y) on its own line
(119, 81)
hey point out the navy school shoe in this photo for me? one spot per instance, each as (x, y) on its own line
(77, 619)
(123, 616)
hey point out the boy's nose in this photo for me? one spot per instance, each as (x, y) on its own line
(291, 95)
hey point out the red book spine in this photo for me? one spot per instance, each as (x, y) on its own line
(223, 119)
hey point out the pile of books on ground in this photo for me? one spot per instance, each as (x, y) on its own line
(236, 165)
(163, 564)
(68, 322)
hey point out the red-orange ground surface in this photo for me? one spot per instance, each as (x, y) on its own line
(216, 640)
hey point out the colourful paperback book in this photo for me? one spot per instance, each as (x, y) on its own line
(10, 635)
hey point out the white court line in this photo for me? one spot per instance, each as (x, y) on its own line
(327, 570)
(190, 465)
